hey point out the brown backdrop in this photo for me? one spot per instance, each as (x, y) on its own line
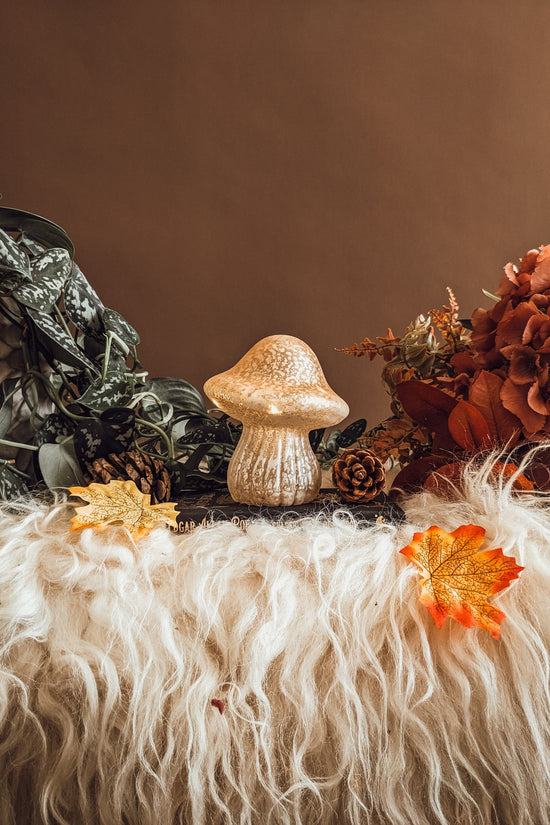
(232, 169)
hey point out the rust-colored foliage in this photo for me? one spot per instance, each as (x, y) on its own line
(447, 479)
(504, 426)
(429, 407)
(458, 577)
(460, 393)
(468, 428)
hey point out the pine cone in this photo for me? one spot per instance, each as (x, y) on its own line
(149, 474)
(359, 475)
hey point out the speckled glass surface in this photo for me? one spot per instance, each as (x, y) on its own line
(279, 392)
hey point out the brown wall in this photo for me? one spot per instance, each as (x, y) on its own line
(232, 169)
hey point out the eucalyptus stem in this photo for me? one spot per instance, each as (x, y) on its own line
(7, 443)
(16, 470)
(54, 396)
(140, 448)
(140, 422)
(147, 394)
(63, 322)
(59, 371)
(106, 356)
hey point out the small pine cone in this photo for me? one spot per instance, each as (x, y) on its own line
(149, 474)
(359, 475)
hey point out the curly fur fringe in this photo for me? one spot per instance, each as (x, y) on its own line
(343, 702)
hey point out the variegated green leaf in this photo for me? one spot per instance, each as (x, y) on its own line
(111, 432)
(54, 338)
(116, 391)
(49, 272)
(33, 247)
(55, 428)
(351, 433)
(82, 303)
(114, 322)
(12, 257)
(94, 347)
(11, 484)
(214, 432)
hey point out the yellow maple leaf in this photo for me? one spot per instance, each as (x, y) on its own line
(121, 503)
(458, 576)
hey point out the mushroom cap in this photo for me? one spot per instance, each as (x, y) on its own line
(279, 378)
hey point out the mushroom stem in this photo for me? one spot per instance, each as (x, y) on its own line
(273, 466)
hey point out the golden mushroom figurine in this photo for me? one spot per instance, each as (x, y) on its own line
(279, 392)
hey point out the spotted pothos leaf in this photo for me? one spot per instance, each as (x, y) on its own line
(82, 304)
(30, 244)
(49, 272)
(213, 432)
(115, 391)
(58, 343)
(114, 322)
(54, 428)
(13, 257)
(110, 432)
(11, 484)
(351, 433)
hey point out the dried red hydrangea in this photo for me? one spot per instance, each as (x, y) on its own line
(512, 340)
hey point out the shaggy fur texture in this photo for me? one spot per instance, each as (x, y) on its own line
(343, 702)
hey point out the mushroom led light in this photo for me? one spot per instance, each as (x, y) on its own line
(279, 392)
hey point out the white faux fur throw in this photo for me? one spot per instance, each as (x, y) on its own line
(343, 703)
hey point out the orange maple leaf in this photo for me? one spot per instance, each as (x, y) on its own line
(459, 577)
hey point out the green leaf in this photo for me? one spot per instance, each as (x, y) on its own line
(181, 472)
(11, 484)
(114, 322)
(184, 424)
(40, 229)
(7, 389)
(351, 433)
(217, 432)
(55, 427)
(175, 391)
(156, 411)
(58, 343)
(82, 304)
(315, 438)
(12, 257)
(112, 432)
(33, 247)
(49, 272)
(59, 465)
(116, 391)
(333, 441)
